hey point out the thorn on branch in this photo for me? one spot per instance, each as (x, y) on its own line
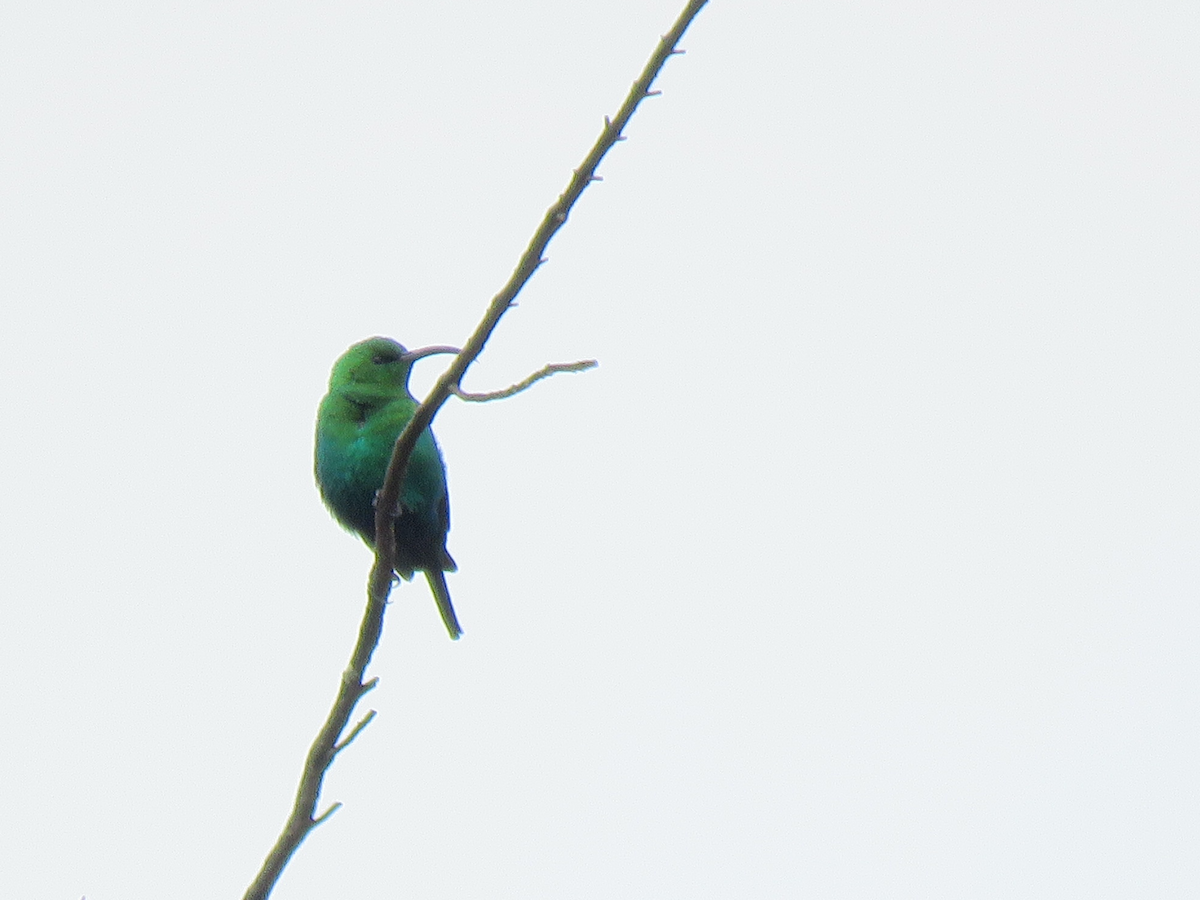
(325, 815)
(596, 178)
(653, 93)
(544, 372)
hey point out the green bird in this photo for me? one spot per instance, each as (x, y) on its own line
(367, 407)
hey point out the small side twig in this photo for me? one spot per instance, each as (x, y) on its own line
(325, 747)
(325, 815)
(355, 732)
(544, 372)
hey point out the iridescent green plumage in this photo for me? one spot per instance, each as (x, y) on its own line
(367, 407)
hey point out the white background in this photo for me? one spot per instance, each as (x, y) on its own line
(865, 566)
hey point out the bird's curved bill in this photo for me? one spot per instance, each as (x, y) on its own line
(422, 352)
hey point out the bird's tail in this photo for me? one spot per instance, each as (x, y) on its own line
(437, 584)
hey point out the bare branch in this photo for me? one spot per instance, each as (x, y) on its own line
(544, 372)
(326, 745)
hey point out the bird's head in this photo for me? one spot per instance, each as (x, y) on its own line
(379, 362)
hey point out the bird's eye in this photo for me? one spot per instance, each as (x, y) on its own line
(384, 357)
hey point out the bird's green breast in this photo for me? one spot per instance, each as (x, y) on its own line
(354, 446)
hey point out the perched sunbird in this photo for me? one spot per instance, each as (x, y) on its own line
(367, 407)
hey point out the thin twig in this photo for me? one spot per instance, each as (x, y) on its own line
(324, 748)
(544, 372)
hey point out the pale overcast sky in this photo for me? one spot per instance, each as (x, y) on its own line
(865, 566)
